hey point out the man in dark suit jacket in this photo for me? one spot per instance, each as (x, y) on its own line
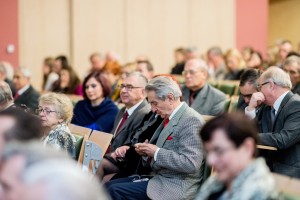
(292, 66)
(200, 96)
(25, 93)
(278, 119)
(175, 151)
(132, 93)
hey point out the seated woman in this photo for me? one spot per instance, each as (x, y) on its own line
(68, 82)
(234, 64)
(56, 111)
(96, 111)
(49, 76)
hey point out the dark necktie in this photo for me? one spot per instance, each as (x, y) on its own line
(272, 117)
(192, 97)
(125, 116)
(16, 95)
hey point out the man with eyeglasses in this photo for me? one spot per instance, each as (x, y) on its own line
(199, 95)
(278, 116)
(247, 87)
(128, 120)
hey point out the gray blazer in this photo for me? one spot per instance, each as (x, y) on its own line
(178, 167)
(209, 101)
(284, 134)
(130, 126)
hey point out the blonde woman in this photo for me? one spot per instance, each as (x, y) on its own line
(56, 111)
(234, 63)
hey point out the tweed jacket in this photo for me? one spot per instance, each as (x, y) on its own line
(284, 134)
(131, 125)
(253, 183)
(209, 100)
(179, 162)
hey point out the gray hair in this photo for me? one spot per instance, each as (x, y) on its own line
(215, 51)
(199, 63)
(6, 96)
(2, 68)
(278, 76)
(26, 72)
(293, 60)
(58, 174)
(163, 86)
(141, 78)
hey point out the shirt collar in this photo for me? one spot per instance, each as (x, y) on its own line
(132, 109)
(278, 101)
(175, 111)
(23, 89)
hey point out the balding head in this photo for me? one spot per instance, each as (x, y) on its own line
(195, 74)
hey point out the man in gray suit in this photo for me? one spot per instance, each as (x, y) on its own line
(175, 151)
(129, 119)
(204, 98)
(278, 118)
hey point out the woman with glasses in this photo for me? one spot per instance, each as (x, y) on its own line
(56, 111)
(97, 111)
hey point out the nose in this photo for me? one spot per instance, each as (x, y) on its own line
(211, 159)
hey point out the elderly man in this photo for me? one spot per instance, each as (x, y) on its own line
(199, 95)
(32, 172)
(247, 87)
(128, 120)
(146, 68)
(174, 152)
(25, 93)
(292, 66)
(216, 59)
(278, 118)
(230, 142)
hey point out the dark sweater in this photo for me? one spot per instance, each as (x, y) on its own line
(99, 118)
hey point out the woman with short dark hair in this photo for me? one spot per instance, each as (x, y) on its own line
(96, 111)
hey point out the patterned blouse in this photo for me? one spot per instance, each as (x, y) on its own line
(61, 138)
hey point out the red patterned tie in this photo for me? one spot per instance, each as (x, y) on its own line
(16, 95)
(166, 122)
(125, 116)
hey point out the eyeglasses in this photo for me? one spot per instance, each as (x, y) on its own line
(46, 111)
(128, 87)
(259, 86)
(219, 152)
(191, 72)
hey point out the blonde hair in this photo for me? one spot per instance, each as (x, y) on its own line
(236, 53)
(62, 103)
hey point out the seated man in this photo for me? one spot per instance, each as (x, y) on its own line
(277, 111)
(6, 98)
(174, 152)
(25, 93)
(230, 142)
(292, 66)
(128, 120)
(199, 95)
(247, 87)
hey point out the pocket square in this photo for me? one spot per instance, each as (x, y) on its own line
(169, 138)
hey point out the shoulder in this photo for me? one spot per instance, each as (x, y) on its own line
(215, 92)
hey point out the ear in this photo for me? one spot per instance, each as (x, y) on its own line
(170, 97)
(249, 147)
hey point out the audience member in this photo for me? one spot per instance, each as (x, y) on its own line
(247, 87)
(202, 97)
(127, 69)
(96, 111)
(256, 61)
(3, 77)
(97, 62)
(216, 60)
(25, 93)
(230, 143)
(278, 116)
(292, 66)
(112, 72)
(9, 69)
(49, 76)
(112, 57)
(6, 97)
(234, 64)
(145, 68)
(129, 119)
(284, 49)
(191, 53)
(174, 152)
(179, 55)
(68, 82)
(16, 124)
(31, 172)
(247, 51)
(56, 111)
(60, 62)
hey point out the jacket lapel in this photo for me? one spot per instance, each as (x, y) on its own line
(200, 98)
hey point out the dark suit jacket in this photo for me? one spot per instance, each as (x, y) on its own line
(131, 125)
(209, 101)
(296, 89)
(284, 134)
(30, 98)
